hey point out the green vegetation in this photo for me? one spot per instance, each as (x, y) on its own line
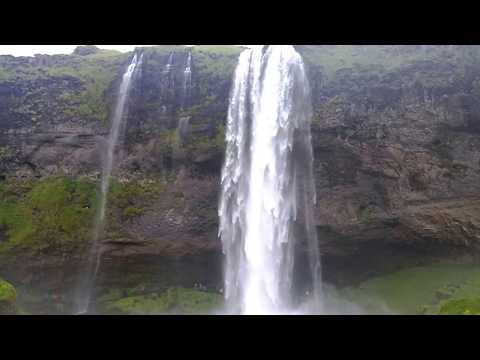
(96, 72)
(387, 58)
(225, 50)
(82, 83)
(130, 199)
(54, 213)
(460, 307)
(343, 56)
(366, 214)
(5, 152)
(8, 299)
(437, 289)
(194, 146)
(214, 66)
(207, 101)
(169, 141)
(210, 68)
(164, 49)
(174, 300)
(206, 144)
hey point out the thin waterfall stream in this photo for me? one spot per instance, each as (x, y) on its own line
(187, 81)
(94, 260)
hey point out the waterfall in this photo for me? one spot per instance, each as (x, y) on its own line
(168, 66)
(108, 161)
(187, 80)
(267, 192)
(168, 74)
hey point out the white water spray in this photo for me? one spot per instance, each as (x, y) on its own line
(267, 182)
(112, 142)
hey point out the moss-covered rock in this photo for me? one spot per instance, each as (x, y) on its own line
(8, 299)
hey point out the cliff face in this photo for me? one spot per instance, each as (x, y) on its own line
(395, 137)
(397, 151)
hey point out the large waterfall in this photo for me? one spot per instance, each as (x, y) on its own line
(267, 182)
(108, 161)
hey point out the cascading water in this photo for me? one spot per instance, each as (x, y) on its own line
(187, 80)
(117, 121)
(168, 74)
(168, 66)
(267, 182)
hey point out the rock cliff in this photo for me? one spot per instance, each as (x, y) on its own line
(395, 137)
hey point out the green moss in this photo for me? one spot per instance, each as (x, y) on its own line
(91, 102)
(191, 301)
(205, 144)
(5, 152)
(195, 145)
(174, 300)
(139, 305)
(131, 212)
(81, 84)
(417, 290)
(110, 295)
(51, 214)
(371, 60)
(218, 49)
(366, 214)
(332, 59)
(8, 298)
(4, 74)
(461, 307)
(130, 199)
(214, 67)
(169, 141)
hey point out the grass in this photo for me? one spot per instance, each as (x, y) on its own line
(333, 58)
(174, 300)
(225, 50)
(130, 199)
(54, 213)
(417, 290)
(95, 74)
(461, 307)
(199, 144)
(214, 66)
